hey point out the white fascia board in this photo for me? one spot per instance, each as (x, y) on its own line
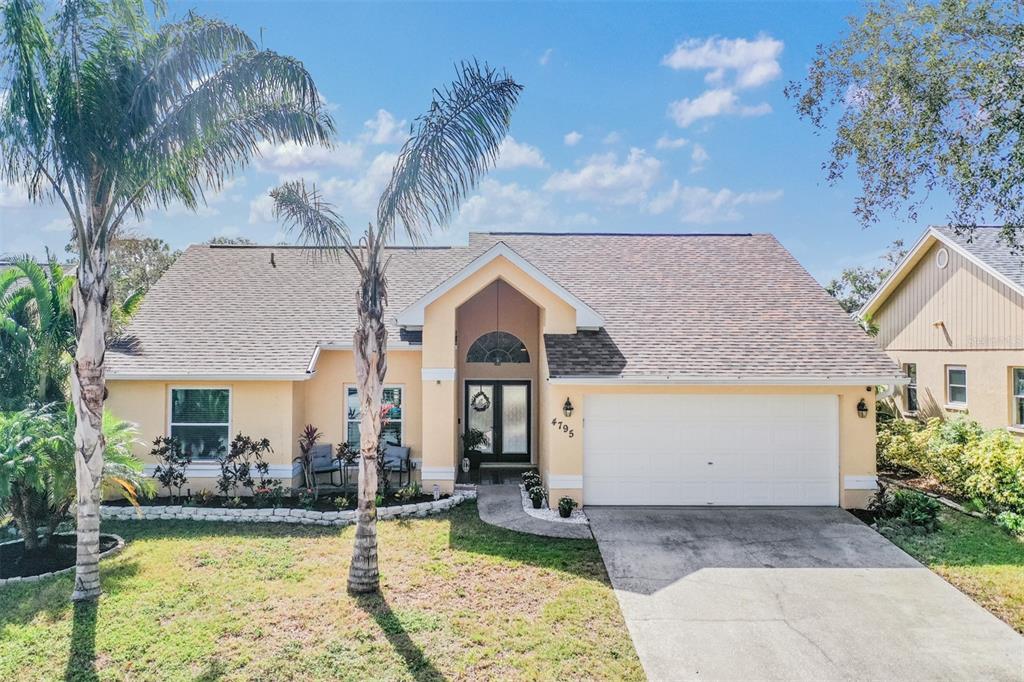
(392, 345)
(586, 317)
(205, 376)
(912, 258)
(730, 381)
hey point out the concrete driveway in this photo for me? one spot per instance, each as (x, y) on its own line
(790, 594)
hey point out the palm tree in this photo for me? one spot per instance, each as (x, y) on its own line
(111, 115)
(450, 149)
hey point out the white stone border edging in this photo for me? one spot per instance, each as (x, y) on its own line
(577, 518)
(116, 549)
(294, 516)
(939, 498)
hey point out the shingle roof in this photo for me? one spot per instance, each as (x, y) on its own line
(984, 244)
(712, 306)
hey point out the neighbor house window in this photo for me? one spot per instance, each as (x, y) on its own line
(394, 419)
(956, 385)
(910, 392)
(200, 419)
(1018, 397)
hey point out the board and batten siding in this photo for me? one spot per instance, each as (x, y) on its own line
(978, 311)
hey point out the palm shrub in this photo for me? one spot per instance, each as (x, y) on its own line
(109, 111)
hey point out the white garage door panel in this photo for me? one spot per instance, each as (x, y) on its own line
(711, 449)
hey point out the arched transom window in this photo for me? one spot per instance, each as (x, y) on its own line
(498, 348)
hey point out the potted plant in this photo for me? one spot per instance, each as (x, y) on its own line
(565, 507)
(530, 479)
(472, 441)
(536, 496)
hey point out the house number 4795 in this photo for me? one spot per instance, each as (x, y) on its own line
(563, 427)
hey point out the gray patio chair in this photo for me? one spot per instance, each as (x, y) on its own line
(325, 463)
(396, 459)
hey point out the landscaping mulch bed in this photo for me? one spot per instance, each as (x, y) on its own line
(60, 554)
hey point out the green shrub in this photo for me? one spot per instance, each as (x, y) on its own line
(946, 451)
(902, 509)
(1012, 521)
(897, 446)
(996, 466)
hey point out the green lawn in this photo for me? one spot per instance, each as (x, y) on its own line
(460, 599)
(981, 559)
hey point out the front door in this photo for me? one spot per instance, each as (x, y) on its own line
(501, 409)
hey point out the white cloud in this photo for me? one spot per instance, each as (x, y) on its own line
(361, 194)
(546, 56)
(510, 206)
(229, 231)
(699, 156)
(703, 205)
(602, 178)
(59, 224)
(666, 142)
(261, 209)
(291, 156)
(513, 154)
(384, 129)
(572, 138)
(712, 103)
(612, 138)
(14, 196)
(753, 62)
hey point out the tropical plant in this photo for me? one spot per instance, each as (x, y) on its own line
(929, 98)
(173, 461)
(450, 149)
(35, 305)
(37, 451)
(307, 443)
(111, 113)
(902, 509)
(244, 456)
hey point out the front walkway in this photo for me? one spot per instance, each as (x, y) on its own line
(790, 594)
(501, 505)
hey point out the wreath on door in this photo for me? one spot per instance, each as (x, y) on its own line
(480, 402)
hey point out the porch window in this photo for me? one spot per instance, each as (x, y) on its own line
(497, 348)
(1018, 397)
(394, 420)
(956, 385)
(200, 419)
(910, 392)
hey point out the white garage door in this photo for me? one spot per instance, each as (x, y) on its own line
(711, 449)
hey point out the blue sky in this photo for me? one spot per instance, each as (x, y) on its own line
(635, 118)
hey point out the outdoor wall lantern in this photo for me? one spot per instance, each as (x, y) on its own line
(567, 408)
(862, 409)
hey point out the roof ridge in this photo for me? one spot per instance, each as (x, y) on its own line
(623, 234)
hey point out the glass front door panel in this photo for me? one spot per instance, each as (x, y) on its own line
(480, 410)
(514, 435)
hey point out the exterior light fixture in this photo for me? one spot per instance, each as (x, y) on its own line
(567, 408)
(862, 409)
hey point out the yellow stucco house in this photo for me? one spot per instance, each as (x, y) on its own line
(952, 314)
(629, 369)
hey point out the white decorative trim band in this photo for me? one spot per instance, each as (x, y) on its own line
(697, 380)
(860, 482)
(212, 470)
(438, 373)
(438, 473)
(560, 482)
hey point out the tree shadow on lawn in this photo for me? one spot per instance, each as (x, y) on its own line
(416, 663)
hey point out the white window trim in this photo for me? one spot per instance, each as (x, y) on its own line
(950, 403)
(344, 408)
(170, 410)
(912, 384)
(1014, 397)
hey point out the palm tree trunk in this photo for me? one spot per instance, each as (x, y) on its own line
(370, 348)
(91, 304)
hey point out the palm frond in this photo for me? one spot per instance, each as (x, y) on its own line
(451, 148)
(303, 209)
(40, 285)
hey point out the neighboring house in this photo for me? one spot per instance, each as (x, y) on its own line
(630, 369)
(952, 315)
